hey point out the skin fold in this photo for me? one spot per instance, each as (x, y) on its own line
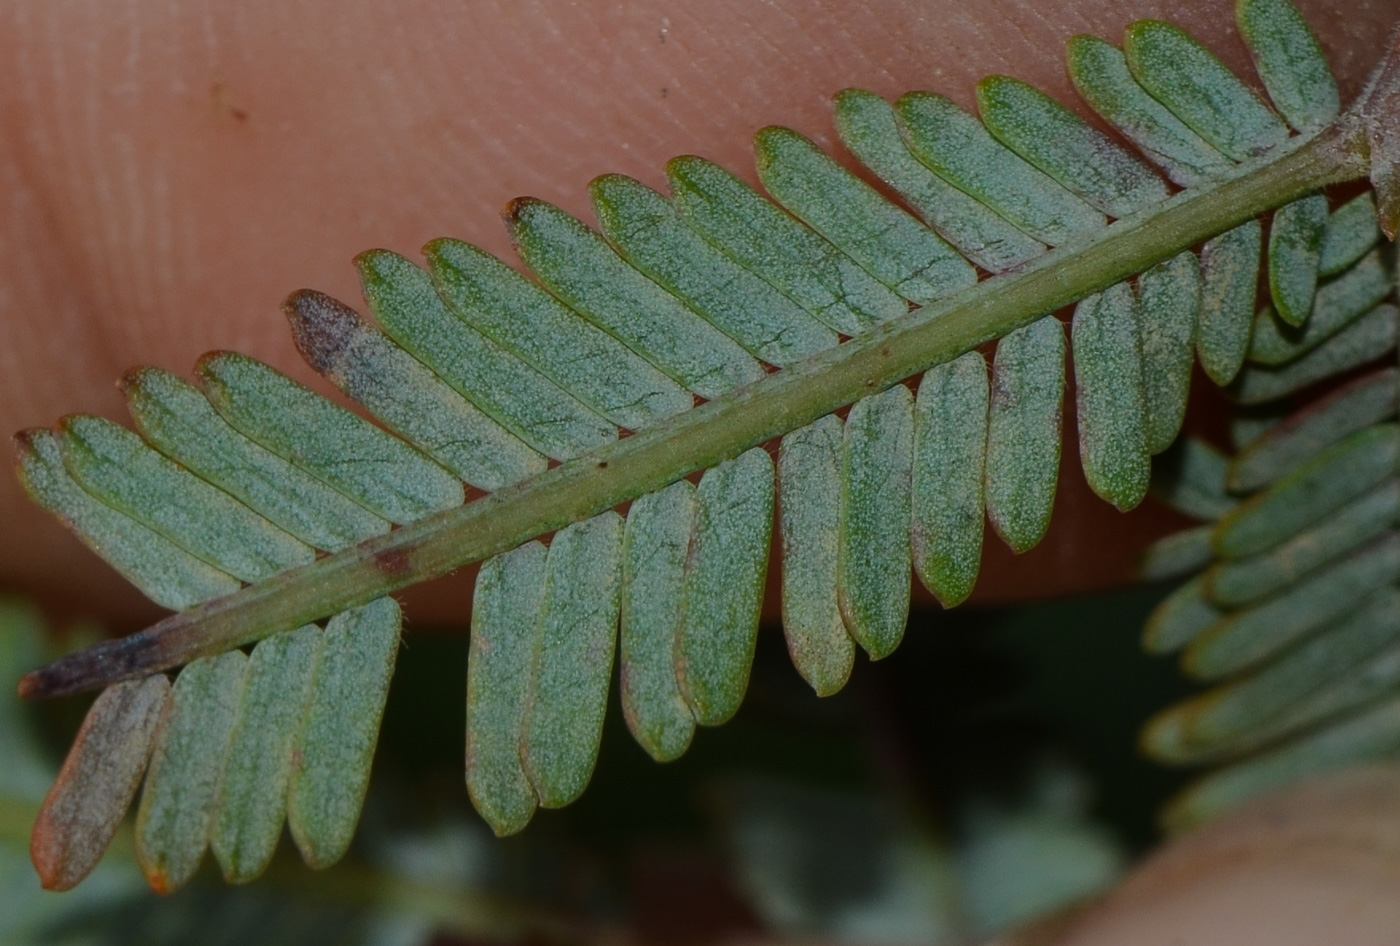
(170, 172)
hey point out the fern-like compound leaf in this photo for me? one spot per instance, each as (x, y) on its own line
(585, 273)
(376, 470)
(520, 317)
(117, 467)
(568, 396)
(1255, 633)
(961, 151)
(1240, 716)
(651, 234)
(1177, 555)
(1294, 608)
(1182, 617)
(1082, 159)
(517, 397)
(1191, 479)
(1353, 346)
(1100, 73)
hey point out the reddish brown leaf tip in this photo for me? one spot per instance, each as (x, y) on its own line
(323, 328)
(65, 423)
(158, 882)
(23, 441)
(517, 208)
(31, 686)
(133, 379)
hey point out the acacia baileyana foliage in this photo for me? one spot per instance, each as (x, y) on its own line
(260, 507)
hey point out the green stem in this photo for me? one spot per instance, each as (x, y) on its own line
(720, 429)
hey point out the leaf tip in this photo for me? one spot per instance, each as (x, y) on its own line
(72, 423)
(515, 211)
(133, 379)
(678, 166)
(771, 132)
(432, 250)
(31, 686)
(851, 95)
(991, 84)
(159, 881)
(372, 264)
(323, 329)
(306, 302)
(603, 183)
(1081, 42)
(47, 859)
(23, 441)
(208, 365)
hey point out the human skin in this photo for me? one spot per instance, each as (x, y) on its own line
(170, 172)
(1316, 863)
